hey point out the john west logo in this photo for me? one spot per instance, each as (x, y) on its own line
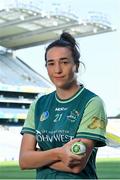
(44, 116)
(61, 109)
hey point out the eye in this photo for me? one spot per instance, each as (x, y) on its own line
(65, 62)
(50, 63)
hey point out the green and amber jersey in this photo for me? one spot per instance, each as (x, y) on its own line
(54, 122)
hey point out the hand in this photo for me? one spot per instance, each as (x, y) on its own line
(67, 157)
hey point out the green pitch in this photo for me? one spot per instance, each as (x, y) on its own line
(107, 168)
(11, 170)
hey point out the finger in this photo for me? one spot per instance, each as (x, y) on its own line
(74, 140)
(75, 163)
(78, 157)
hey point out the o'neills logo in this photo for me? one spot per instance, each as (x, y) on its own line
(50, 137)
(61, 109)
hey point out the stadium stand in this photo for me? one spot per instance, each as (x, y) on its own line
(19, 86)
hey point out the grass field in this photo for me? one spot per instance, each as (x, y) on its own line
(107, 168)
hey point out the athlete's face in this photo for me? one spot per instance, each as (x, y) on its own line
(61, 67)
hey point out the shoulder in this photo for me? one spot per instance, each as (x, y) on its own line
(95, 107)
(94, 98)
(41, 100)
(46, 96)
(96, 101)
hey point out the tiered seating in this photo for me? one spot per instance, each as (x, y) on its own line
(19, 86)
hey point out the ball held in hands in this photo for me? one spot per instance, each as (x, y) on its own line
(78, 148)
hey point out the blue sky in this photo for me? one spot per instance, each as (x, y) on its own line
(100, 53)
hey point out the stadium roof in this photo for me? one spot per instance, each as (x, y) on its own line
(17, 76)
(22, 27)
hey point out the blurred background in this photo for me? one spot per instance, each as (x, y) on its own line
(26, 27)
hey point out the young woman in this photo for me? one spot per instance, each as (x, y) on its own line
(55, 121)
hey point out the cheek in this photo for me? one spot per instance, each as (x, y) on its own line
(73, 70)
(71, 73)
(49, 71)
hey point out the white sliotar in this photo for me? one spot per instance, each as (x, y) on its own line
(78, 148)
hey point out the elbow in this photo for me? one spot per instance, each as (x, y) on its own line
(22, 164)
(22, 167)
(78, 169)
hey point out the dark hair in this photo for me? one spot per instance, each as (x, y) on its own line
(66, 40)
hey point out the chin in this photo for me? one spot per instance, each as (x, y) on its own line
(63, 86)
(60, 86)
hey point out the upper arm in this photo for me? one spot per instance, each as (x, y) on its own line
(93, 123)
(29, 124)
(28, 131)
(28, 143)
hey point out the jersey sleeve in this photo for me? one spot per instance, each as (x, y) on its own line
(29, 124)
(94, 121)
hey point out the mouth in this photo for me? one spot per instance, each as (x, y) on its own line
(58, 77)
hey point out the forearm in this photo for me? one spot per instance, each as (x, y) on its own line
(75, 165)
(60, 166)
(34, 159)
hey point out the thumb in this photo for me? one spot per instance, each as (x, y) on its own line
(75, 140)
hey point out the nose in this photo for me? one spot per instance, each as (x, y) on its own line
(58, 68)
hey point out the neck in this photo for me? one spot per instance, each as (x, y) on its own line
(68, 92)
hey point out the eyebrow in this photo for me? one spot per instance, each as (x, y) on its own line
(61, 59)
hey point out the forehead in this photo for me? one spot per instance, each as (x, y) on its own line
(59, 51)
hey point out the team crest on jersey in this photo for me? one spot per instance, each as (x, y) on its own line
(74, 114)
(44, 116)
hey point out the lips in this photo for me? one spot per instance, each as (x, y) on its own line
(59, 77)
